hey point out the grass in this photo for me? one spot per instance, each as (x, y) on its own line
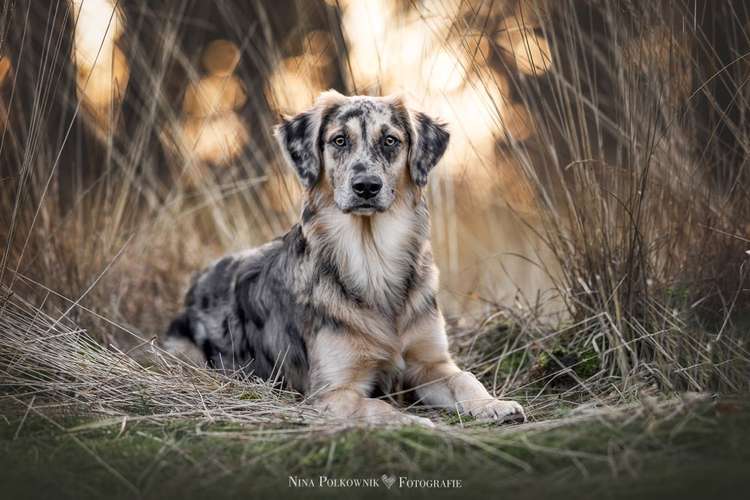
(671, 449)
(169, 429)
(590, 224)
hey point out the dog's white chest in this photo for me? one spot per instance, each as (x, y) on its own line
(376, 261)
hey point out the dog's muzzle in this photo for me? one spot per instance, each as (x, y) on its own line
(366, 186)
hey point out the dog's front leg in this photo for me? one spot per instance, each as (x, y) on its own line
(342, 372)
(439, 382)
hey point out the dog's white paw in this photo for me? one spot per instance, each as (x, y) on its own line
(399, 419)
(494, 409)
(415, 420)
(378, 412)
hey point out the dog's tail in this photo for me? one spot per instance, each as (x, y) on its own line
(181, 342)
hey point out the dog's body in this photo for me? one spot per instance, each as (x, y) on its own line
(346, 300)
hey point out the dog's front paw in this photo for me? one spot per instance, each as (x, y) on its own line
(494, 409)
(378, 412)
(415, 420)
(399, 419)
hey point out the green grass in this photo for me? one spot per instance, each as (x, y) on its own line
(691, 453)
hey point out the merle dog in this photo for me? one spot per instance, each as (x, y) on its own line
(345, 302)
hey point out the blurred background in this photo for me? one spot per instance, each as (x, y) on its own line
(591, 222)
(597, 165)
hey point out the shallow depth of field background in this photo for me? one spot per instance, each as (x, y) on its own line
(137, 140)
(591, 218)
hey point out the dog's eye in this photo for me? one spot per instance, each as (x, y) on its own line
(339, 141)
(390, 141)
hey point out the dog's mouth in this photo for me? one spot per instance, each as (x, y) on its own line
(363, 209)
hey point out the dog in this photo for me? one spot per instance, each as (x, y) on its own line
(344, 304)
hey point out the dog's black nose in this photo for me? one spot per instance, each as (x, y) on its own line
(366, 186)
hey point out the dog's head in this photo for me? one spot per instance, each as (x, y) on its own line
(362, 149)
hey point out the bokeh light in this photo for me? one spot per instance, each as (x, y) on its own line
(102, 69)
(5, 70)
(211, 131)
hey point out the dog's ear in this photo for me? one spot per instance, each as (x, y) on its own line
(428, 142)
(299, 137)
(428, 145)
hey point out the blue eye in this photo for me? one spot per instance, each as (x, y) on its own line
(390, 141)
(339, 141)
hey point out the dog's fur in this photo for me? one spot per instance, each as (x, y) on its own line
(346, 300)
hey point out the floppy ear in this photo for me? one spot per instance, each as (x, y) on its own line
(299, 137)
(428, 144)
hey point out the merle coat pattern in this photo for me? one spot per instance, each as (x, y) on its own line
(345, 302)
